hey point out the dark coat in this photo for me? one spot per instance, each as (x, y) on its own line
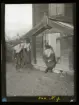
(52, 61)
(27, 56)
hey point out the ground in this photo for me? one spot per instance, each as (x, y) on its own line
(32, 82)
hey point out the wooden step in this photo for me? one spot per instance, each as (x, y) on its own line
(55, 70)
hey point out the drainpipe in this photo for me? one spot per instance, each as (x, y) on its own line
(34, 48)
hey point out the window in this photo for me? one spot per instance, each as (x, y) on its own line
(56, 9)
(68, 10)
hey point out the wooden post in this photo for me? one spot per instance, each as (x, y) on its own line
(34, 48)
(42, 44)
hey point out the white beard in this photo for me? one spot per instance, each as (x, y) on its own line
(18, 48)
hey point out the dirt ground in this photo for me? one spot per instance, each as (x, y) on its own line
(31, 82)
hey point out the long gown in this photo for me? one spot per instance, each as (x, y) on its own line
(27, 54)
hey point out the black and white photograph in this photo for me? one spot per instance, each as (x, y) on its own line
(39, 49)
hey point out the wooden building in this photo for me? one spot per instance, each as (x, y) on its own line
(60, 39)
(56, 28)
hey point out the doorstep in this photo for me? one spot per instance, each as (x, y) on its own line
(57, 69)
